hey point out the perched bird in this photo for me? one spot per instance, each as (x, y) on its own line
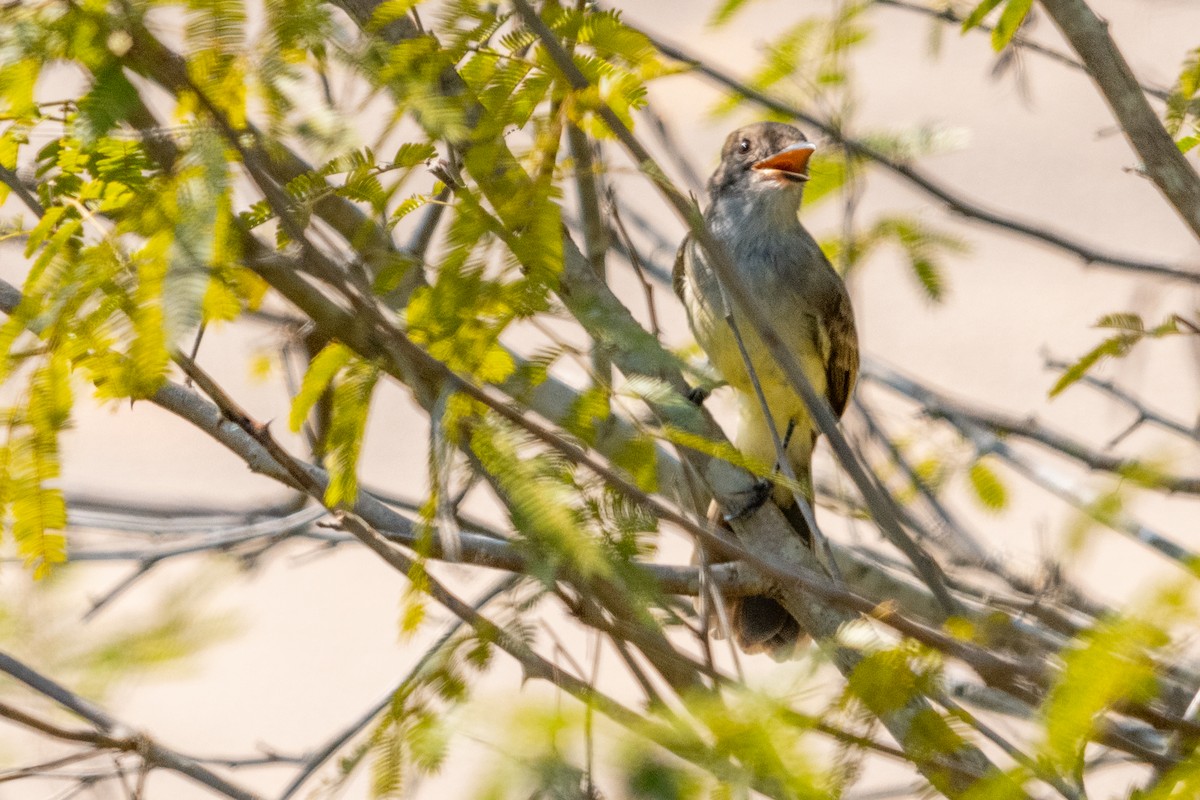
(753, 205)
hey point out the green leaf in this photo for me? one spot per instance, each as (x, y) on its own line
(32, 469)
(1123, 322)
(726, 11)
(111, 99)
(827, 174)
(1112, 662)
(1181, 101)
(929, 276)
(496, 365)
(364, 186)
(540, 493)
(17, 80)
(1114, 346)
(1010, 21)
(885, 681)
(410, 154)
(409, 205)
(921, 245)
(639, 457)
(347, 425)
(978, 14)
(321, 371)
(44, 228)
(989, 489)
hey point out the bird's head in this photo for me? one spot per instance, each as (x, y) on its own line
(764, 161)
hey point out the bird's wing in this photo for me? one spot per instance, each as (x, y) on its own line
(841, 362)
(677, 272)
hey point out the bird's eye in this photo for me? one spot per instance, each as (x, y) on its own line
(744, 146)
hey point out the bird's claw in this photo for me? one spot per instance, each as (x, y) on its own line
(759, 494)
(697, 395)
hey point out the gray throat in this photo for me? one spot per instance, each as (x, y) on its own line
(754, 212)
(764, 236)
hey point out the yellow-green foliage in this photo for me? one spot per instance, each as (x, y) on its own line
(1110, 664)
(40, 621)
(542, 499)
(351, 382)
(1130, 329)
(126, 260)
(989, 489)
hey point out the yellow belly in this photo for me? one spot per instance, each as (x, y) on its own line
(753, 437)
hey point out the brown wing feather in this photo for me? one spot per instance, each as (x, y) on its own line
(841, 370)
(677, 272)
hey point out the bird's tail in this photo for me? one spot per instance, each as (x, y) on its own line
(759, 624)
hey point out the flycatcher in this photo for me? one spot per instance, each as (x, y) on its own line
(753, 206)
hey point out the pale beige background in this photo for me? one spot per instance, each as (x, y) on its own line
(319, 641)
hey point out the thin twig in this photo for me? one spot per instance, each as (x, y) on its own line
(947, 15)
(339, 739)
(1144, 412)
(940, 406)
(950, 199)
(1083, 499)
(1163, 161)
(635, 261)
(112, 734)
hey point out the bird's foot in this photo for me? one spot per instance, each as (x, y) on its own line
(759, 494)
(697, 395)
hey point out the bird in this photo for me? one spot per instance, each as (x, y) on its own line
(753, 210)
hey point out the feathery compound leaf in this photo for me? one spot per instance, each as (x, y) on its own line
(610, 37)
(347, 424)
(410, 154)
(10, 145)
(929, 276)
(1122, 321)
(148, 355)
(389, 11)
(921, 245)
(827, 174)
(363, 185)
(17, 79)
(387, 770)
(39, 513)
(409, 205)
(321, 371)
(541, 497)
(111, 99)
(1114, 346)
(1132, 330)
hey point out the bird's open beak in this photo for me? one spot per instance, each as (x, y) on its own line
(791, 162)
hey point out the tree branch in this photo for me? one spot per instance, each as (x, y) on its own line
(950, 199)
(1164, 163)
(940, 406)
(1145, 413)
(1020, 42)
(115, 734)
(1082, 499)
